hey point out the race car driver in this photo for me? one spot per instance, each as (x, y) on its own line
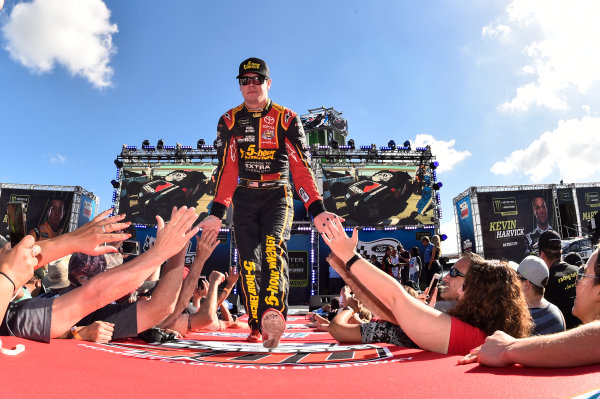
(51, 228)
(258, 143)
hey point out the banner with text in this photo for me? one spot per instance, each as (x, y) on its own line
(465, 225)
(512, 222)
(588, 199)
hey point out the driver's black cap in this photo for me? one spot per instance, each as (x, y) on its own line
(255, 65)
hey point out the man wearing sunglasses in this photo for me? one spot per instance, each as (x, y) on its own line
(258, 144)
(456, 277)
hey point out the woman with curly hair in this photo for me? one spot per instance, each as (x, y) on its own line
(490, 299)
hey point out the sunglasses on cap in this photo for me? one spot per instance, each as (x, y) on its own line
(255, 80)
(581, 274)
(455, 273)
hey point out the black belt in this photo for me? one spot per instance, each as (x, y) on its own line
(261, 183)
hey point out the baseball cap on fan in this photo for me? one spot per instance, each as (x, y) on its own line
(549, 239)
(255, 65)
(535, 270)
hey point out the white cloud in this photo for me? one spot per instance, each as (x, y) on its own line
(58, 158)
(502, 32)
(444, 151)
(563, 56)
(572, 149)
(75, 34)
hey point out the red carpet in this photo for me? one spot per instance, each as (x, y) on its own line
(307, 364)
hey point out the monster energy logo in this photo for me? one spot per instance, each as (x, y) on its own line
(505, 206)
(592, 199)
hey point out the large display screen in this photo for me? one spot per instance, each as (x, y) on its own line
(380, 194)
(150, 191)
(47, 212)
(512, 222)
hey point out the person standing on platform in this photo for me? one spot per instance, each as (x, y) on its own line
(258, 143)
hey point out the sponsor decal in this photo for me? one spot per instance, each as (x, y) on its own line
(233, 151)
(258, 167)
(251, 65)
(249, 271)
(219, 143)
(254, 154)
(287, 116)
(505, 206)
(269, 120)
(592, 199)
(87, 209)
(464, 210)
(271, 257)
(376, 247)
(227, 116)
(243, 122)
(382, 177)
(589, 215)
(247, 139)
(24, 198)
(291, 152)
(175, 176)
(247, 355)
(303, 194)
(268, 135)
(467, 245)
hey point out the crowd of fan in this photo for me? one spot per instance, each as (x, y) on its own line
(542, 312)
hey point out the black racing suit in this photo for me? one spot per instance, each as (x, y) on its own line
(256, 151)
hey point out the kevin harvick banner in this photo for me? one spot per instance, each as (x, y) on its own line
(512, 222)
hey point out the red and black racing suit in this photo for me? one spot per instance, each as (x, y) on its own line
(256, 152)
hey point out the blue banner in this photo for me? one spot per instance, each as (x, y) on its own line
(465, 225)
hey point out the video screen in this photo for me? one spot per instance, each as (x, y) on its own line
(380, 194)
(150, 191)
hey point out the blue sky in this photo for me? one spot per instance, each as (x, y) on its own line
(505, 92)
